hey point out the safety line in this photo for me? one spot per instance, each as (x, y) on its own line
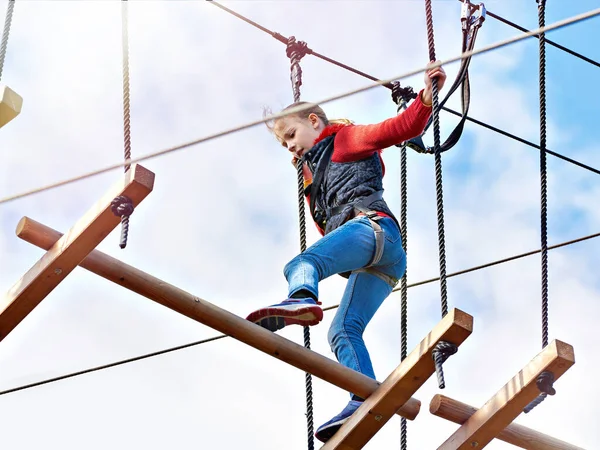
(295, 110)
(548, 41)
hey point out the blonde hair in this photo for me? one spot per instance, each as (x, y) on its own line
(312, 109)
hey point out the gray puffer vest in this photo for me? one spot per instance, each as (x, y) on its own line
(337, 187)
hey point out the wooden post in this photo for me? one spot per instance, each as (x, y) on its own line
(10, 105)
(403, 382)
(518, 435)
(62, 257)
(485, 424)
(211, 315)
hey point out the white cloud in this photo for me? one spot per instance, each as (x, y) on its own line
(222, 222)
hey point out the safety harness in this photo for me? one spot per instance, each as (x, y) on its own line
(360, 205)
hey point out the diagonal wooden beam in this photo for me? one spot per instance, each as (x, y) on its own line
(504, 407)
(515, 434)
(10, 105)
(211, 315)
(403, 382)
(70, 250)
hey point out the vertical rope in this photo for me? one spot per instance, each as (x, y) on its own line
(126, 91)
(404, 280)
(125, 207)
(295, 51)
(438, 163)
(545, 380)
(7, 23)
(543, 173)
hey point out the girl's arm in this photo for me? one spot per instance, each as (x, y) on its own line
(360, 141)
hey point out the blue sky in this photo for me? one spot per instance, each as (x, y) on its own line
(196, 70)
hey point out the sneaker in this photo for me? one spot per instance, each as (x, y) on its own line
(328, 429)
(293, 311)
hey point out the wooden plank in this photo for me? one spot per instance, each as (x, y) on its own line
(515, 434)
(504, 407)
(403, 382)
(211, 315)
(10, 104)
(70, 250)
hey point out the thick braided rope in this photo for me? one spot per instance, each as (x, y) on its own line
(126, 111)
(295, 54)
(7, 23)
(404, 280)
(438, 163)
(543, 174)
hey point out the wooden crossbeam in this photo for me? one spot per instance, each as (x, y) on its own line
(10, 105)
(67, 252)
(515, 434)
(211, 315)
(403, 382)
(504, 407)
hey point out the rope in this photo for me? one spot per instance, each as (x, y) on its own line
(438, 162)
(7, 23)
(123, 206)
(401, 97)
(245, 126)
(544, 381)
(404, 281)
(296, 51)
(543, 175)
(329, 308)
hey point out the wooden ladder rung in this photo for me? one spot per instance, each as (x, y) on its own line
(504, 407)
(403, 382)
(10, 104)
(211, 315)
(515, 434)
(67, 252)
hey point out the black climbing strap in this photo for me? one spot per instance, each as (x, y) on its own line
(546, 379)
(296, 51)
(7, 23)
(122, 206)
(443, 349)
(470, 27)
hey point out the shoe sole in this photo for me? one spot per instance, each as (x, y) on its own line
(327, 433)
(275, 318)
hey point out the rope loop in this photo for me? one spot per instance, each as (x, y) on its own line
(122, 206)
(441, 352)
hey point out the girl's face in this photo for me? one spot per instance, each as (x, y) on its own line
(298, 135)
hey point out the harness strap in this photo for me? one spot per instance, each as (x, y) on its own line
(389, 280)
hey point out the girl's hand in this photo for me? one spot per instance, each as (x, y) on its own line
(430, 74)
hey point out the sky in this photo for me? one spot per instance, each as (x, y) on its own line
(222, 219)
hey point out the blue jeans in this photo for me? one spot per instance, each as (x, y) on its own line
(347, 248)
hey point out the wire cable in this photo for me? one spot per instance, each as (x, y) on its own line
(557, 25)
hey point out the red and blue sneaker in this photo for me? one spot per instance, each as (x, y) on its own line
(328, 429)
(293, 311)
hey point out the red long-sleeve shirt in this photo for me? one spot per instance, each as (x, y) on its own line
(356, 142)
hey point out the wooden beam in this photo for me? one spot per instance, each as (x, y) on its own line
(211, 315)
(10, 105)
(62, 257)
(403, 382)
(504, 407)
(518, 435)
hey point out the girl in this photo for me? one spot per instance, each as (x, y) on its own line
(362, 241)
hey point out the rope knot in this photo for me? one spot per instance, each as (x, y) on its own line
(122, 206)
(402, 95)
(441, 352)
(296, 50)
